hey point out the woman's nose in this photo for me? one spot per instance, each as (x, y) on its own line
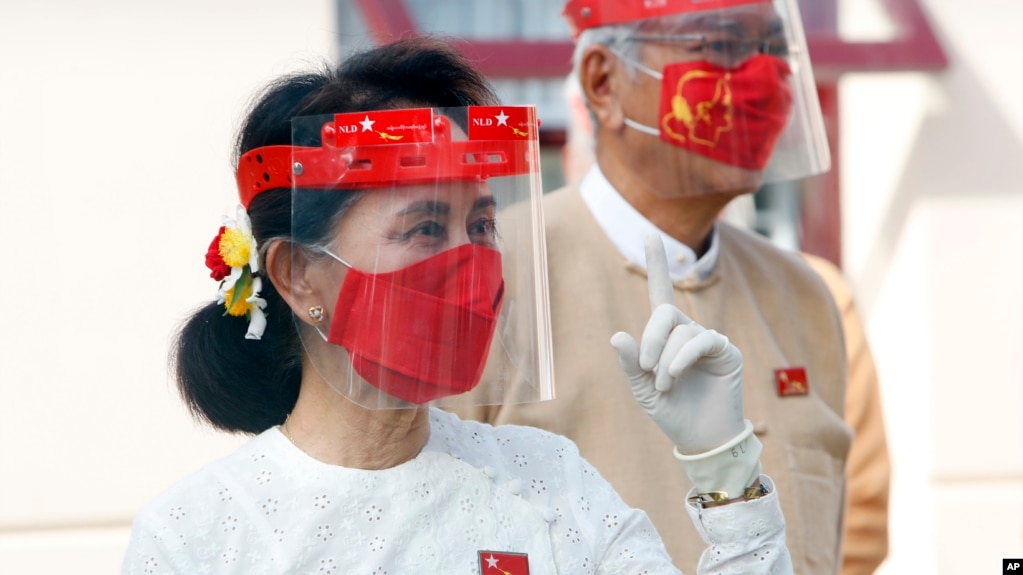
(459, 237)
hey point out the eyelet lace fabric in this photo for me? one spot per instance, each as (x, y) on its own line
(269, 508)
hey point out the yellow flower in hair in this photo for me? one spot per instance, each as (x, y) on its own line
(238, 306)
(237, 244)
(235, 261)
(235, 247)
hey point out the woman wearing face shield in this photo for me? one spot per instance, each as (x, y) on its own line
(366, 279)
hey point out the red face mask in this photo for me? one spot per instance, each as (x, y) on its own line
(731, 115)
(422, 332)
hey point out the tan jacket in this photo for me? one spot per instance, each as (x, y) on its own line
(772, 306)
(868, 468)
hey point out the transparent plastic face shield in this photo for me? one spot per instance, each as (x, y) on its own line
(736, 86)
(422, 255)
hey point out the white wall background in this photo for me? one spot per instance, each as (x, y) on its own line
(116, 124)
(116, 119)
(932, 183)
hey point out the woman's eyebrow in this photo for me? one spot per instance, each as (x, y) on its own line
(426, 207)
(435, 207)
(484, 202)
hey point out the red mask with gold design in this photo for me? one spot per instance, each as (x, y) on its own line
(733, 115)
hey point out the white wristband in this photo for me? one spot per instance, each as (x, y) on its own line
(730, 468)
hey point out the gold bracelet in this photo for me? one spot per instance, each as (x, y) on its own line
(748, 494)
(708, 497)
(755, 492)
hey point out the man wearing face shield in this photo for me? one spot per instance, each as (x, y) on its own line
(694, 104)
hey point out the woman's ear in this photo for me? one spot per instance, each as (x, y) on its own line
(602, 86)
(289, 269)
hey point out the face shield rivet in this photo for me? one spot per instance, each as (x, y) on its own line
(586, 12)
(296, 169)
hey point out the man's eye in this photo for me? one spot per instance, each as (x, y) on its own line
(734, 50)
(774, 47)
(726, 47)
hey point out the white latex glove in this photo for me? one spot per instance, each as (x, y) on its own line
(686, 377)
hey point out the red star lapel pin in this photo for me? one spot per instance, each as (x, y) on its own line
(503, 563)
(792, 381)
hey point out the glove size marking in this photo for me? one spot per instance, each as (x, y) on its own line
(739, 449)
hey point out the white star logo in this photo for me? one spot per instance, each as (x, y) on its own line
(502, 119)
(367, 124)
(491, 562)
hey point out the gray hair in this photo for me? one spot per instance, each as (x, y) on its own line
(615, 37)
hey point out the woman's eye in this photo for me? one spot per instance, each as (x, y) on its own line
(430, 229)
(485, 227)
(484, 232)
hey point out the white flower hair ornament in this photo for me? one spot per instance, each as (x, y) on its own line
(233, 259)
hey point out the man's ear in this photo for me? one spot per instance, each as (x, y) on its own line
(288, 268)
(601, 86)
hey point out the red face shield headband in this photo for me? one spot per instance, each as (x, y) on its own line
(585, 14)
(396, 147)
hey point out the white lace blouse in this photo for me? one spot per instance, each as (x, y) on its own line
(477, 500)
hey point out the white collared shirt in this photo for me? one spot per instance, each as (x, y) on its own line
(627, 229)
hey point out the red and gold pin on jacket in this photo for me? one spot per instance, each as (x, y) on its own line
(495, 563)
(792, 381)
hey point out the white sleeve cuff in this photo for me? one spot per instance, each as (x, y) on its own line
(731, 468)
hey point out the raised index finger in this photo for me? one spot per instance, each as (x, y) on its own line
(658, 283)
